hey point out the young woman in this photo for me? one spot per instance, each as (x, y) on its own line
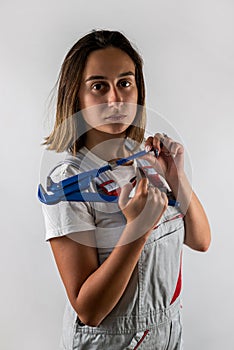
(120, 262)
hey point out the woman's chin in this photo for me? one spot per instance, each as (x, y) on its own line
(114, 129)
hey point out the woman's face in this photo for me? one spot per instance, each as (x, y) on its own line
(108, 93)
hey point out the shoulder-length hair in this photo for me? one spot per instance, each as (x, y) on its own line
(68, 132)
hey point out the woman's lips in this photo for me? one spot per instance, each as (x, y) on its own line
(116, 117)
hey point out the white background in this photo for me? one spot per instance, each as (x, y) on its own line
(189, 53)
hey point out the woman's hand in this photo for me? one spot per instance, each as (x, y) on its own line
(145, 209)
(169, 160)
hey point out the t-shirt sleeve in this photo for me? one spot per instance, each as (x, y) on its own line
(66, 217)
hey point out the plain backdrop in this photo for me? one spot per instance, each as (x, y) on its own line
(188, 54)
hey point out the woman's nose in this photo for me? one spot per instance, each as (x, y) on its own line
(114, 96)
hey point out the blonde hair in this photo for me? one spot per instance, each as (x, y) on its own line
(69, 131)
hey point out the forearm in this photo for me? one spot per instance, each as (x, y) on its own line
(197, 230)
(102, 290)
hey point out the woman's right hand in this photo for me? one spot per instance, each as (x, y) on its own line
(144, 210)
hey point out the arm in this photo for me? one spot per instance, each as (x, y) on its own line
(197, 229)
(170, 164)
(95, 290)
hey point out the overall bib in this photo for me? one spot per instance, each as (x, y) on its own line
(147, 317)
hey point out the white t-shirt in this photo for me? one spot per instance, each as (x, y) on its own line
(105, 218)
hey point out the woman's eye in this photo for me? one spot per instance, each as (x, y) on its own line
(125, 83)
(97, 86)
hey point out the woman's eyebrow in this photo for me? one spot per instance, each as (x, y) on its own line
(97, 77)
(126, 74)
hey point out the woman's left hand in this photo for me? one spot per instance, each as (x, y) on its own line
(169, 162)
(169, 156)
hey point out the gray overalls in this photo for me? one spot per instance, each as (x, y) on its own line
(148, 314)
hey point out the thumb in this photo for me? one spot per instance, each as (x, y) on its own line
(124, 195)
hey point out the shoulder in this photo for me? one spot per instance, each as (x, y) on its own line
(71, 165)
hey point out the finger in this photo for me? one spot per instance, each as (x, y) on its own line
(149, 144)
(160, 143)
(167, 144)
(142, 187)
(157, 141)
(165, 199)
(165, 141)
(162, 198)
(172, 148)
(124, 195)
(176, 148)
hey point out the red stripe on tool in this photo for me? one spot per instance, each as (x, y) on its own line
(117, 190)
(114, 192)
(179, 283)
(141, 340)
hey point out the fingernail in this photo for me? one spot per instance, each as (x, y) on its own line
(147, 148)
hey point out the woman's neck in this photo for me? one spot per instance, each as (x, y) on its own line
(106, 146)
